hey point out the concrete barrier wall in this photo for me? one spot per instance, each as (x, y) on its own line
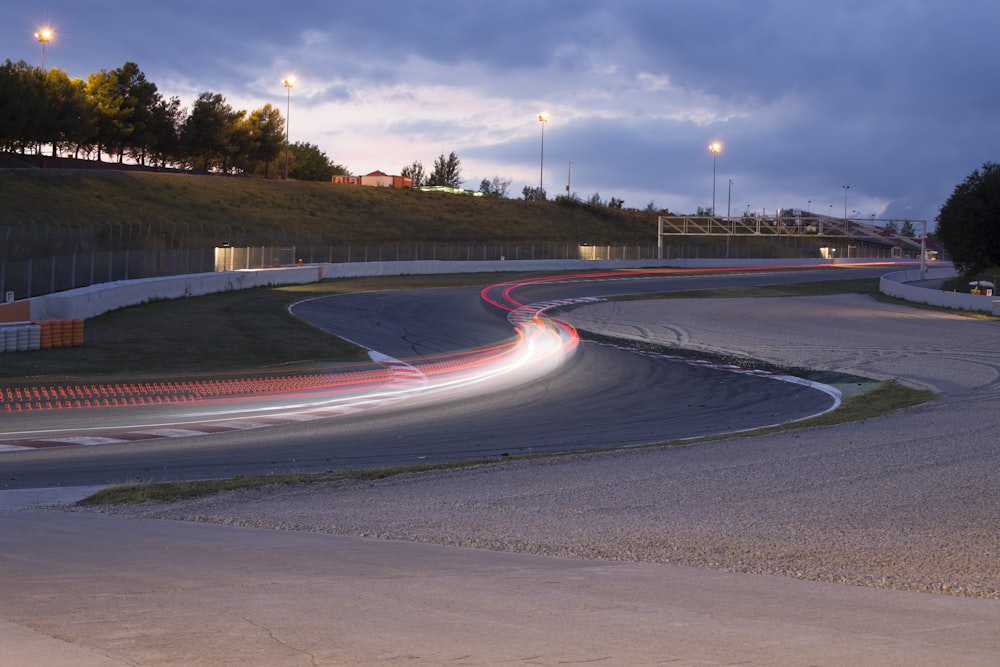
(896, 285)
(430, 267)
(96, 300)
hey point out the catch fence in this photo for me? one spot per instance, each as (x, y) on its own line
(36, 276)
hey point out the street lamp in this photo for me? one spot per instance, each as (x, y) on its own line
(569, 176)
(44, 36)
(289, 84)
(846, 188)
(542, 118)
(715, 147)
(729, 201)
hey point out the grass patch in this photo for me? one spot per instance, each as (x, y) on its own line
(147, 492)
(257, 211)
(888, 397)
(815, 288)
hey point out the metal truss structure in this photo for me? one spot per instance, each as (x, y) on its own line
(883, 232)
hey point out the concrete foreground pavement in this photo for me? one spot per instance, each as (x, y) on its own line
(92, 590)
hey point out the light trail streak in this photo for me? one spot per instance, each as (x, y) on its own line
(541, 344)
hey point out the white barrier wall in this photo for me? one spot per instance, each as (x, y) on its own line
(95, 300)
(431, 267)
(895, 285)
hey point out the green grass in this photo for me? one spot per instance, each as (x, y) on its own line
(174, 491)
(817, 288)
(191, 210)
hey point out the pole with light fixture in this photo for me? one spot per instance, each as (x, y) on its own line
(44, 36)
(715, 147)
(289, 84)
(542, 118)
(846, 188)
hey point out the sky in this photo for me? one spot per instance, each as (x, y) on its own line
(899, 100)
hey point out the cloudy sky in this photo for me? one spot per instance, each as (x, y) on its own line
(898, 99)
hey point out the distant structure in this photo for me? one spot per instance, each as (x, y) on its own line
(376, 179)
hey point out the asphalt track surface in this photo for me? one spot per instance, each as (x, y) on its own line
(90, 589)
(602, 397)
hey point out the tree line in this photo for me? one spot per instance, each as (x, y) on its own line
(120, 114)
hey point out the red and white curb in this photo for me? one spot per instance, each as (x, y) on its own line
(406, 380)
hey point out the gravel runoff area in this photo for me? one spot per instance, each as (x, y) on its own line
(908, 501)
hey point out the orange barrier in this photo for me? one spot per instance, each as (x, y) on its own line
(45, 338)
(76, 336)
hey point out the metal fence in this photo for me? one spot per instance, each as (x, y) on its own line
(37, 276)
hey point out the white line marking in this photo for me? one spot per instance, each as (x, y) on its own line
(87, 440)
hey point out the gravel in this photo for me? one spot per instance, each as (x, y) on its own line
(909, 501)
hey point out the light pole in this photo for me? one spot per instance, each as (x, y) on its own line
(846, 188)
(715, 147)
(543, 118)
(289, 84)
(729, 201)
(44, 36)
(569, 176)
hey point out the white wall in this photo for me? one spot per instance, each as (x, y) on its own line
(895, 285)
(95, 300)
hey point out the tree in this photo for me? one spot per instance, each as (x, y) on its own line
(70, 114)
(969, 222)
(14, 104)
(111, 111)
(533, 194)
(495, 187)
(165, 124)
(309, 163)
(415, 171)
(140, 98)
(907, 229)
(447, 171)
(207, 132)
(266, 139)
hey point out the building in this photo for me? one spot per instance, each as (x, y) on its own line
(377, 179)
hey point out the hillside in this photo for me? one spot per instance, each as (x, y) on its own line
(275, 211)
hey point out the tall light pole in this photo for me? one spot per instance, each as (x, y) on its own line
(846, 188)
(569, 176)
(289, 84)
(44, 36)
(715, 147)
(729, 201)
(543, 118)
